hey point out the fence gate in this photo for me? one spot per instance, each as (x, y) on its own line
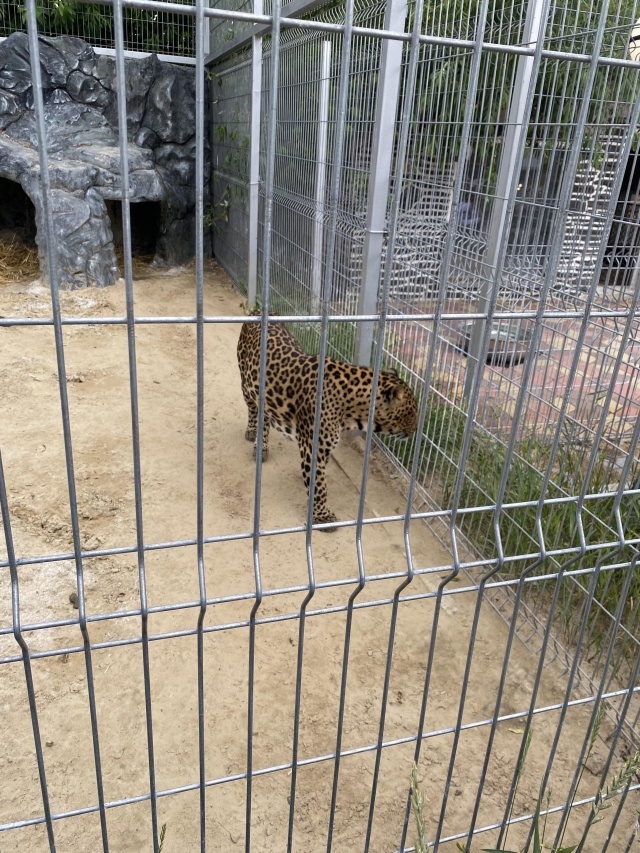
(442, 194)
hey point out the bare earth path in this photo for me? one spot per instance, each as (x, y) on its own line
(98, 386)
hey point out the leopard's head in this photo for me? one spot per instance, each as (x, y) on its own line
(396, 406)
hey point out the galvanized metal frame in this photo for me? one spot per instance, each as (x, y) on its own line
(254, 161)
(508, 176)
(482, 574)
(388, 96)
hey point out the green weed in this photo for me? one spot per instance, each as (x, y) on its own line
(440, 455)
(602, 801)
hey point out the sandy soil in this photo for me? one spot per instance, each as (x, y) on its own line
(32, 446)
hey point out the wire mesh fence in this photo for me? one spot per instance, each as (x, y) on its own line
(445, 191)
(145, 30)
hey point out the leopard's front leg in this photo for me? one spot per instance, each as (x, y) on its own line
(265, 441)
(252, 423)
(321, 512)
(251, 432)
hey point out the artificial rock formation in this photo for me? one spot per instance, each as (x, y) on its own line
(79, 90)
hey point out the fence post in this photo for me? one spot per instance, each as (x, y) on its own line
(254, 163)
(380, 176)
(208, 22)
(510, 164)
(321, 176)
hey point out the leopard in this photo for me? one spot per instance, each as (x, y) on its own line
(290, 401)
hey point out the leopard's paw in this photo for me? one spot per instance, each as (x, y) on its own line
(325, 518)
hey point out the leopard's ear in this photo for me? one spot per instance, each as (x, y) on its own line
(395, 392)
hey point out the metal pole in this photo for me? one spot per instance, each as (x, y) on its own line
(202, 37)
(510, 163)
(321, 177)
(254, 164)
(380, 176)
(207, 33)
(49, 234)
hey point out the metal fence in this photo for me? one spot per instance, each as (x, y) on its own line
(152, 30)
(449, 191)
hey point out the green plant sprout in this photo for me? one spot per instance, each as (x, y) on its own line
(163, 832)
(602, 801)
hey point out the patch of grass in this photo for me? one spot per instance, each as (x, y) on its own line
(442, 446)
(602, 801)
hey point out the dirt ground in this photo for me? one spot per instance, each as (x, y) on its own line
(33, 454)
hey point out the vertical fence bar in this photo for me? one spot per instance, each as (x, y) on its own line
(26, 658)
(254, 163)
(399, 170)
(601, 558)
(327, 287)
(615, 737)
(321, 176)
(591, 733)
(264, 327)
(510, 165)
(508, 197)
(380, 176)
(52, 255)
(626, 338)
(474, 77)
(133, 388)
(206, 37)
(202, 31)
(579, 343)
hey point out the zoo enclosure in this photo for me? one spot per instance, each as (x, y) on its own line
(325, 198)
(507, 216)
(529, 226)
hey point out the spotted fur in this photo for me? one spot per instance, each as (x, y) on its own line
(291, 382)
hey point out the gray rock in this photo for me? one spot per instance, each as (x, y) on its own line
(87, 90)
(76, 52)
(10, 105)
(145, 185)
(84, 169)
(171, 105)
(179, 161)
(14, 53)
(176, 243)
(54, 64)
(105, 71)
(146, 138)
(59, 96)
(68, 126)
(13, 80)
(71, 213)
(139, 77)
(15, 62)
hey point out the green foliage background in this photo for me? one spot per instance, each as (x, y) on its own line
(151, 32)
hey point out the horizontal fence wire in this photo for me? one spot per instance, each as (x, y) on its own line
(450, 193)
